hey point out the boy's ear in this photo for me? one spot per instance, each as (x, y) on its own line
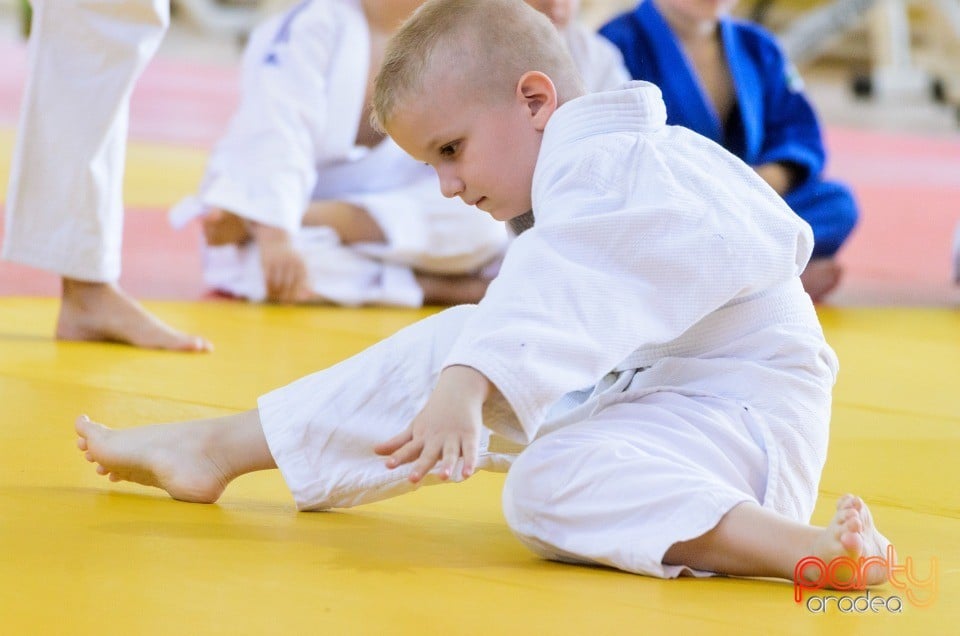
(538, 95)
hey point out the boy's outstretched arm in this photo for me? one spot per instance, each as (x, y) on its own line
(447, 428)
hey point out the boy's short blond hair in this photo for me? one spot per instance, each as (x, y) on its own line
(484, 45)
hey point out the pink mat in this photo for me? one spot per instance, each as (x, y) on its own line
(908, 187)
(176, 102)
(158, 263)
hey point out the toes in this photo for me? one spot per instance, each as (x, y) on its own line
(866, 517)
(845, 501)
(852, 542)
(200, 345)
(82, 443)
(101, 470)
(853, 524)
(189, 344)
(81, 424)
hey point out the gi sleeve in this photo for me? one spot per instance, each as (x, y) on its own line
(264, 168)
(791, 131)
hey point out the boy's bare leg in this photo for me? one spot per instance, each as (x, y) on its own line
(91, 311)
(193, 461)
(225, 228)
(820, 277)
(753, 541)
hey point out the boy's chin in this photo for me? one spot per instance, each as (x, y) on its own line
(503, 214)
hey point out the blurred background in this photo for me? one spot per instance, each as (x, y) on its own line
(884, 76)
(873, 63)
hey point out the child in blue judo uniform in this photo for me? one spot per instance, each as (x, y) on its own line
(729, 81)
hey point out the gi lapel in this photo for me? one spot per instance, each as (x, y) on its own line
(687, 104)
(748, 87)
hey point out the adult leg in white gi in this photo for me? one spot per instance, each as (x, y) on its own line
(64, 207)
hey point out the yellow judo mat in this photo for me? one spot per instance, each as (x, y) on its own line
(81, 555)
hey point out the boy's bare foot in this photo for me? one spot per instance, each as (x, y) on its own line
(852, 534)
(102, 312)
(173, 457)
(225, 228)
(820, 277)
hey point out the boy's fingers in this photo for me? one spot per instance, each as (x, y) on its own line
(273, 287)
(428, 459)
(405, 454)
(451, 453)
(293, 280)
(395, 442)
(285, 282)
(469, 457)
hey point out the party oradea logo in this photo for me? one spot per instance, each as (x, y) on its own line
(843, 575)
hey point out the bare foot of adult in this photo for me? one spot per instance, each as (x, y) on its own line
(820, 277)
(852, 534)
(102, 312)
(225, 228)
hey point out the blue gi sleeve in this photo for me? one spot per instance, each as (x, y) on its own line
(791, 131)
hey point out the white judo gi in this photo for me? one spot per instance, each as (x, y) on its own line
(64, 210)
(292, 140)
(656, 357)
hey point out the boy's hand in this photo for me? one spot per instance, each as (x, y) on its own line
(447, 428)
(284, 272)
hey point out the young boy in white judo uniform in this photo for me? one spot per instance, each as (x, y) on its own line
(305, 202)
(647, 344)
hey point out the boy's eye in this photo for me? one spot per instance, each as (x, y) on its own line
(448, 150)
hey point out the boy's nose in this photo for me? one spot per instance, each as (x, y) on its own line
(450, 184)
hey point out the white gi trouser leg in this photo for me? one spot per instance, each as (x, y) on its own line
(321, 429)
(660, 454)
(622, 486)
(64, 205)
(618, 473)
(616, 488)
